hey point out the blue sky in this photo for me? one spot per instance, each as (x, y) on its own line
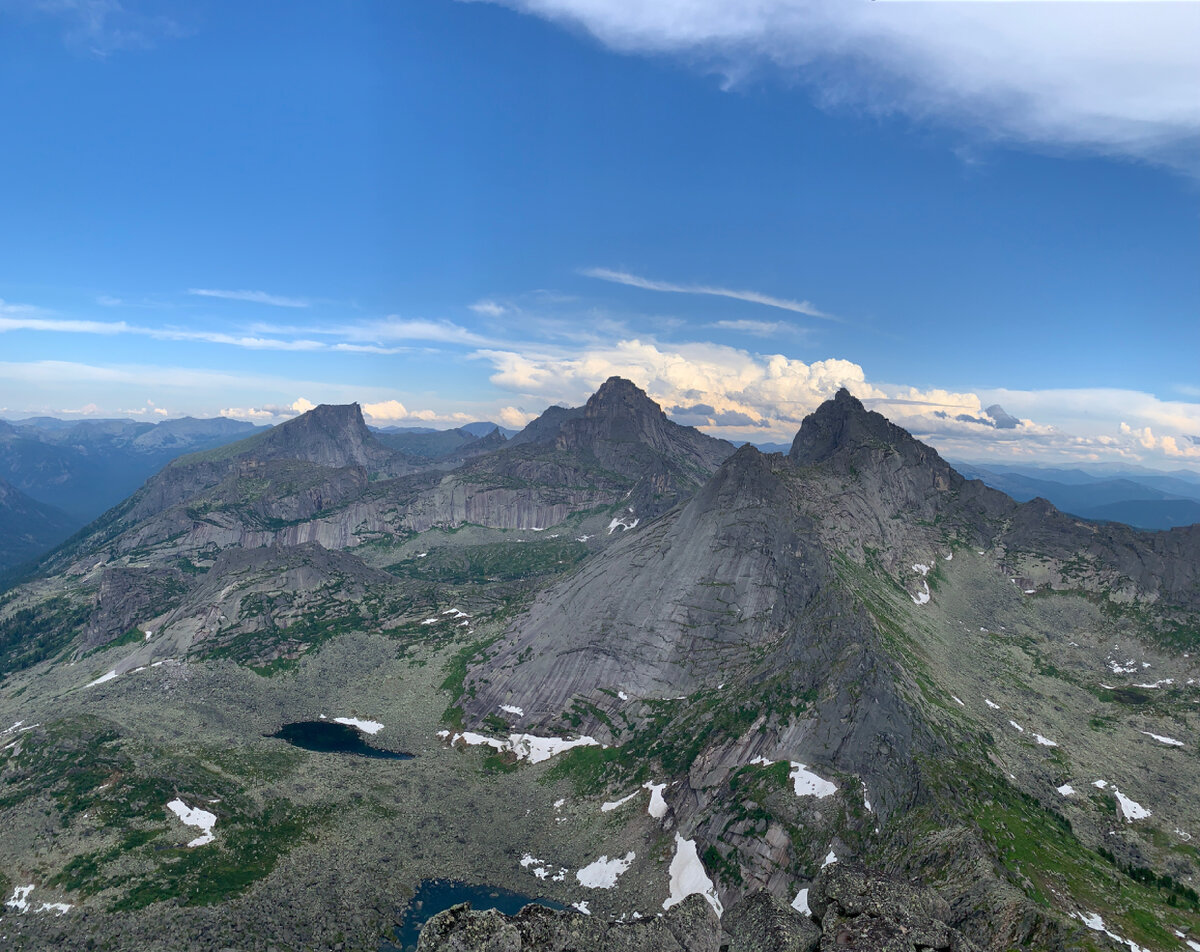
(451, 211)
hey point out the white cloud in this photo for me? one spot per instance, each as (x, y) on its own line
(61, 326)
(1119, 78)
(514, 418)
(386, 410)
(7, 308)
(763, 397)
(755, 297)
(758, 328)
(303, 406)
(254, 297)
(488, 308)
(398, 328)
(253, 414)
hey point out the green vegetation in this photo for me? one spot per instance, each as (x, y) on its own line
(494, 561)
(1043, 857)
(41, 631)
(456, 676)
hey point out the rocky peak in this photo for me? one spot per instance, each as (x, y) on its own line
(621, 397)
(844, 435)
(329, 435)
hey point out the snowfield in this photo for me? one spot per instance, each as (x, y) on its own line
(688, 876)
(194, 816)
(603, 873)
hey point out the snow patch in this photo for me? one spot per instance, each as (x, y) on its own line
(613, 804)
(102, 679)
(523, 746)
(958, 700)
(623, 696)
(800, 903)
(658, 804)
(367, 727)
(621, 524)
(194, 816)
(1044, 741)
(1017, 726)
(1170, 741)
(921, 567)
(1101, 784)
(1066, 789)
(541, 869)
(1129, 809)
(830, 859)
(991, 704)
(688, 876)
(922, 597)
(582, 906)
(20, 898)
(1156, 684)
(512, 709)
(807, 783)
(603, 873)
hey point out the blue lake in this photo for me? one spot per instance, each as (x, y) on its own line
(328, 737)
(434, 895)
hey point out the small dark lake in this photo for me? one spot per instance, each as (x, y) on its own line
(434, 895)
(327, 737)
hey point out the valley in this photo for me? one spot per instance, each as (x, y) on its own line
(630, 663)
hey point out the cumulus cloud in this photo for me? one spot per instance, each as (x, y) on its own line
(303, 406)
(514, 418)
(253, 414)
(386, 410)
(1118, 78)
(764, 397)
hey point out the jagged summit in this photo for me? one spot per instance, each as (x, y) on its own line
(618, 395)
(843, 426)
(332, 435)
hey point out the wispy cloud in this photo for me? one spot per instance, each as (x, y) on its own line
(254, 297)
(1121, 78)
(102, 27)
(489, 308)
(759, 328)
(754, 297)
(56, 325)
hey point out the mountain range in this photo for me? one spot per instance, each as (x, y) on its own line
(632, 664)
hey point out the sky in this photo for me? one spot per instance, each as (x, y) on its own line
(454, 211)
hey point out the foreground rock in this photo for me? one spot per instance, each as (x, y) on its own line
(691, 926)
(866, 910)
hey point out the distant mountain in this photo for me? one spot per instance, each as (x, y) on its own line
(28, 528)
(1145, 500)
(483, 428)
(85, 467)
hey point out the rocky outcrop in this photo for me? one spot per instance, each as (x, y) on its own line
(690, 926)
(868, 910)
(851, 907)
(765, 923)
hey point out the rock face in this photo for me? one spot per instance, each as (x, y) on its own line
(328, 435)
(735, 586)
